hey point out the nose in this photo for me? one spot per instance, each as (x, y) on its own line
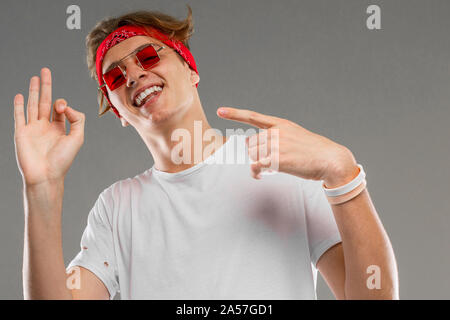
(133, 73)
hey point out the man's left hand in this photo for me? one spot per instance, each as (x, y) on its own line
(295, 150)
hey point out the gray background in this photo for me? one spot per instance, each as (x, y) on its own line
(384, 94)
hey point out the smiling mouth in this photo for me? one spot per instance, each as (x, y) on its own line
(147, 95)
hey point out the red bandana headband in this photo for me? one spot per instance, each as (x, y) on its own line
(129, 31)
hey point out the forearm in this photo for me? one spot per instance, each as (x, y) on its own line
(44, 275)
(365, 243)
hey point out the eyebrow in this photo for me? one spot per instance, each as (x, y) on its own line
(116, 63)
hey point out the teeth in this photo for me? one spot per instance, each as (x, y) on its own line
(140, 98)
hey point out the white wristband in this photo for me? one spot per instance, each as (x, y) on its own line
(346, 187)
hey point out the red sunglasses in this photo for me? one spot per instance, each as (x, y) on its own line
(146, 57)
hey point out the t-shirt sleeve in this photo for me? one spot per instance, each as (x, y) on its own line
(97, 247)
(322, 230)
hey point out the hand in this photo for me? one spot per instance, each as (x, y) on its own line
(43, 150)
(292, 149)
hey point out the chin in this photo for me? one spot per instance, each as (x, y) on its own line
(159, 116)
(164, 113)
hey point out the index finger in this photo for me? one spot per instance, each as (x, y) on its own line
(247, 116)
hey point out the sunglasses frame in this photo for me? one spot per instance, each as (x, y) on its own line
(134, 53)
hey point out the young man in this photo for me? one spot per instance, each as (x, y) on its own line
(196, 229)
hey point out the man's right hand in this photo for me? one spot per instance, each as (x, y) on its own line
(43, 150)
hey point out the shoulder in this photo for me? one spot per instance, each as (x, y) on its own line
(121, 189)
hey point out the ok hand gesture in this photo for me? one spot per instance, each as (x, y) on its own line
(43, 150)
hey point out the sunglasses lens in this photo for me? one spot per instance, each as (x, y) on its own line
(114, 78)
(147, 57)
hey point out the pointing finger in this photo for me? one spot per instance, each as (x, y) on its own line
(247, 116)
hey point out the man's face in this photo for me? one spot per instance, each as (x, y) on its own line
(174, 75)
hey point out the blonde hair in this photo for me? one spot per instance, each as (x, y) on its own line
(176, 29)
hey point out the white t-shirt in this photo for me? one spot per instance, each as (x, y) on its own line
(209, 232)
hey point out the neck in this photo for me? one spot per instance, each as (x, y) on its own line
(183, 140)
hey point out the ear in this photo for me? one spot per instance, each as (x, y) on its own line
(195, 78)
(124, 122)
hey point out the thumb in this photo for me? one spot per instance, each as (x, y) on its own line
(259, 166)
(76, 120)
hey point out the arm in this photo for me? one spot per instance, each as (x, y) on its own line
(300, 152)
(44, 274)
(44, 154)
(364, 243)
(331, 266)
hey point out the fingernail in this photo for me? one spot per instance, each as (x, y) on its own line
(222, 111)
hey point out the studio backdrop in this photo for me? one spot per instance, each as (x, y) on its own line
(381, 88)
